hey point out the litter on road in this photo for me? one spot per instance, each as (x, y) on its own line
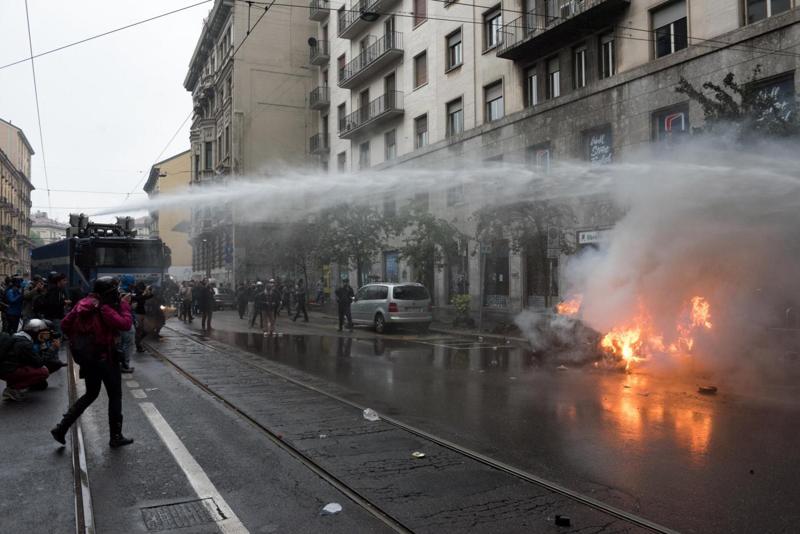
(331, 508)
(417, 454)
(371, 415)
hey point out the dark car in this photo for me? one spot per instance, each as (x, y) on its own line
(223, 298)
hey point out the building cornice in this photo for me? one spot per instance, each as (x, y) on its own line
(205, 44)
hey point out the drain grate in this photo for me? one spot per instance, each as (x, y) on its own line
(181, 515)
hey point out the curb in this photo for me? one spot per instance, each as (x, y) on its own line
(84, 509)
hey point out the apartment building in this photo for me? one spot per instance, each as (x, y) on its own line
(430, 83)
(45, 230)
(248, 77)
(171, 177)
(15, 200)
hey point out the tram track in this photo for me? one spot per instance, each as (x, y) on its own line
(355, 495)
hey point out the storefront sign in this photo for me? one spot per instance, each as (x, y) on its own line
(590, 237)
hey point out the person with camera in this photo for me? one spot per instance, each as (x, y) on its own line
(35, 290)
(141, 294)
(28, 358)
(93, 326)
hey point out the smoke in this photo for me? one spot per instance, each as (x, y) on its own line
(721, 224)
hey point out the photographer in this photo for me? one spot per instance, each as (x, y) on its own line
(141, 294)
(93, 326)
(31, 295)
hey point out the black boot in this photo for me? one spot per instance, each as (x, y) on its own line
(117, 439)
(59, 432)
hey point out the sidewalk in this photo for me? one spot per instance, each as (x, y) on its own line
(326, 323)
(36, 481)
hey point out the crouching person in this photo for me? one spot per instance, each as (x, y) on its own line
(92, 328)
(27, 359)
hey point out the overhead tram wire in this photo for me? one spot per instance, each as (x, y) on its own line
(691, 39)
(109, 32)
(38, 112)
(233, 56)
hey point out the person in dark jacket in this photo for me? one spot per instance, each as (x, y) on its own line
(286, 298)
(53, 304)
(300, 296)
(101, 317)
(241, 299)
(141, 294)
(344, 298)
(206, 303)
(27, 359)
(35, 290)
(257, 296)
(14, 309)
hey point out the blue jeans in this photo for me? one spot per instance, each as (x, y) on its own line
(126, 342)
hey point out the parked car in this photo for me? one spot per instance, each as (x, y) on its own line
(223, 298)
(385, 304)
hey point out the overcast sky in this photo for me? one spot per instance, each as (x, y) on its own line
(108, 106)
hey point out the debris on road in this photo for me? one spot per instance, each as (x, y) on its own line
(562, 368)
(707, 390)
(323, 436)
(417, 454)
(371, 415)
(563, 521)
(331, 508)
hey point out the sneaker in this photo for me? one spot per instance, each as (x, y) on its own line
(126, 369)
(13, 395)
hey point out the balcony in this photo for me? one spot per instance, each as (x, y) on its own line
(376, 56)
(319, 54)
(320, 98)
(541, 32)
(380, 110)
(318, 10)
(353, 21)
(319, 145)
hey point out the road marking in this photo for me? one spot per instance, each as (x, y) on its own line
(138, 394)
(132, 383)
(194, 473)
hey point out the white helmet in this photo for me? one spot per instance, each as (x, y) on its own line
(34, 326)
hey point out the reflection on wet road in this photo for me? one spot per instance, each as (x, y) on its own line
(721, 463)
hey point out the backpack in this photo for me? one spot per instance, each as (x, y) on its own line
(84, 347)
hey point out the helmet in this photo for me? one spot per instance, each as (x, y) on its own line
(54, 277)
(34, 326)
(103, 285)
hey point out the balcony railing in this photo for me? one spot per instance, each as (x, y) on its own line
(386, 106)
(361, 14)
(374, 57)
(318, 144)
(319, 98)
(540, 32)
(319, 54)
(319, 9)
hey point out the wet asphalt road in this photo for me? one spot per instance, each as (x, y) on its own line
(695, 463)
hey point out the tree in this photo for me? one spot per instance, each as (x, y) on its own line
(36, 239)
(353, 234)
(534, 226)
(753, 109)
(430, 240)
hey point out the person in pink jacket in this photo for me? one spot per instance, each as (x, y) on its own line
(93, 326)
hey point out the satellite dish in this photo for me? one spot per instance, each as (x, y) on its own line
(312, 42)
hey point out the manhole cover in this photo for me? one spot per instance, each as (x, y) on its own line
(181, 514)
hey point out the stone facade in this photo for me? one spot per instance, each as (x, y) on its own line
(46, 229)
(15, 200)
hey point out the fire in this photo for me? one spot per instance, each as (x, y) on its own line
(571, 306)
(637, 341)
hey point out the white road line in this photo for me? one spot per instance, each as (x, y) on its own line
(138, 394)
(132, 383)
(194, 473)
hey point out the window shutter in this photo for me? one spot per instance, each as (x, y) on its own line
(669, 14)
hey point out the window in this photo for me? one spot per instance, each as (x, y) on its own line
(455, 117)
(228, 140)
(669, 28)
(454, 55)
(341, 161)
(390, 145)
(389, 207)
(538, 157)
(340, 116)
(670, 124)
(496, 275)
(493, 96)
(579, 67)
(531, 86)
(196, 167)
(208, 148)
(455, 195)
(420, 11)
(492, 29)
(420, 69)
(761, 9)
(340, 20)
(607, 66)
(341, 61)
(363, 155)
(421, 131)
(553, 78)
(421, 201)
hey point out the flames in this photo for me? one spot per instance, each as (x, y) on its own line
(638, 340)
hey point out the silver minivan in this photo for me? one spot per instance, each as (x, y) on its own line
(384, 304)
